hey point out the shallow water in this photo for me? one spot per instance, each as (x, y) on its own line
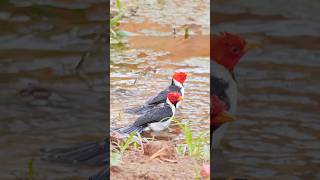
(153, 54)
(277, 131)
(41, 44)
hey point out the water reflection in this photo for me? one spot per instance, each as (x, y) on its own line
(277, 131)
(46, 101)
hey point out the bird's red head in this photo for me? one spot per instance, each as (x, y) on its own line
(227, 49)
(218, 114)
(180, 77)
(174, 97)
(217, 107)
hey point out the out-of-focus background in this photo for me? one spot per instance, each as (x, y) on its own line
(276, 134)
(52, 83)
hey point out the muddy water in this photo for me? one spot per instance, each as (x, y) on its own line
(277, 132)
(154, 53)
(45, 100)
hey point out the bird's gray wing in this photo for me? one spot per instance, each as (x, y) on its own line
(159, 98)
(218, 88)
(154, 115)
(89, 153)
(174, 88)
(162, 96)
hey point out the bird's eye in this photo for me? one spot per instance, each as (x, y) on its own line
(234, 49)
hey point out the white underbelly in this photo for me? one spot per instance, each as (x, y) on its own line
(218, 135)
(160, 126)
(178, 104)
(182, 92)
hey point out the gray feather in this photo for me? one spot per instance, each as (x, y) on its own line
(156, 114)
(90, 153)
(162, 96)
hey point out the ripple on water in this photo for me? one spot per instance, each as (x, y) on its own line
(278, 119)
(44, 53)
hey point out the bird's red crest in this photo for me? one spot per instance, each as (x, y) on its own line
(180, 77)
(227, 49)
(217, 106)
(174, 97)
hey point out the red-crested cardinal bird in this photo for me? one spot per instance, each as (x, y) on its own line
(176, 86)
(157, 118)
(225, 51)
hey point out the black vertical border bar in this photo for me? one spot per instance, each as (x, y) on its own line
(211, 130)
(107, 58)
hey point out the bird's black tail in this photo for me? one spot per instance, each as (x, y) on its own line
(90, 153)
(130, 129)
(101, 175)
(139, 110)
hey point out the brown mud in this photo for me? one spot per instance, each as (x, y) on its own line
(179, 48)
(137, 166)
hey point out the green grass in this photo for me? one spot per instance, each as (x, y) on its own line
(115, 158)
(196, 146)
(30, 170)
(116, 34)
(29, 173)
(125, 144)
(117, 154)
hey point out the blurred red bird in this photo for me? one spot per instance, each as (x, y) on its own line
(219, 114)
(226, 51)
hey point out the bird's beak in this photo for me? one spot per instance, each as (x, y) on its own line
(225, 117)
(180, 98)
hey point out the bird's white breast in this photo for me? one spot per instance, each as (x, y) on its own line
(160, 126)
(177, 83)
(181, 91)
(221, 72)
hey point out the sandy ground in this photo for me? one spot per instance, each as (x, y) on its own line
(135, 165)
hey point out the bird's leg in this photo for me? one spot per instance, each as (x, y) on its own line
(140, 139)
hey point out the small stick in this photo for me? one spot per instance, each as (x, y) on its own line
(169, 160)
(158, 153)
